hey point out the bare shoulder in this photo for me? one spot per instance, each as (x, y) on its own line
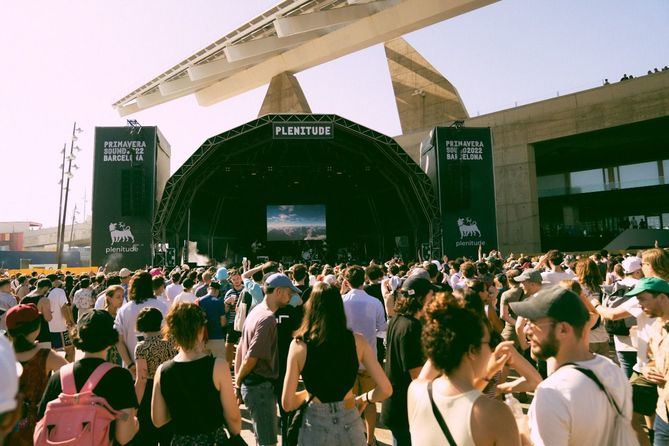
(492, 418)
(298, 347)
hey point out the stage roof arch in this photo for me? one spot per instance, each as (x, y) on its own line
(368, 182)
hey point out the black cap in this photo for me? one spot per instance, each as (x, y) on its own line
(418, 285)
(555, 302)
(215, 285)
(95, 331)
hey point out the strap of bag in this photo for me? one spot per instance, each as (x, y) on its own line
(67, 384)
(96, 376)
(440, 419)
(590, 374)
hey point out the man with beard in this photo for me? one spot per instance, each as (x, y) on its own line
(569, 407)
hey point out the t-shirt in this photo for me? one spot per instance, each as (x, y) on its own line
(554, 277)
(57, 299)
(260, 341)
(403, 354)
(569, 409)
(173, 290)
(44, 333)
(364, 315)
(126, 320)
(508, 296)
(215, 309)
(7, 301)
(624, 343)
(184, 296)
(83, 299)
(230, 300)
(643, 323)
(201, 290)
(255, 289)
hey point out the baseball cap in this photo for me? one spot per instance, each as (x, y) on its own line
(10, 371)
(554, 302)
(215, 285)
(222, 273)
(531, 275)
(631, 264)
(125, 272)
(418, 285)
(650, 284)
(279, 280)
(21, 314)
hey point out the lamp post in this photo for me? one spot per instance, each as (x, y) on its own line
(68, 175)
(60, 201)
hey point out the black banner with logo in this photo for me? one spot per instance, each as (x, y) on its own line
(124, 179)
(459, 163)
(302, 130)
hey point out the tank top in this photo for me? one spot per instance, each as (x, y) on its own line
(191, 396)
(456, 411)
(44, 334)
(32, 384)
(331, 368)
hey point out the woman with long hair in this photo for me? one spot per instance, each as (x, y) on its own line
(113, 300)
(327, 355)
(194, 390)
(23, 324)
(457, 344)
(655, 263)
(590, 279)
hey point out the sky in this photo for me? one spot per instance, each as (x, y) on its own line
(67, 61)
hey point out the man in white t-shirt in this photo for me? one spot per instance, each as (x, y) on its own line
(556, 273)
(174, 289)
(60, 319)
(187, 294)
(568, 407)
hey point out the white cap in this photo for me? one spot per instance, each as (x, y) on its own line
(631, 264)
(330, 279)
(125, 272)
(10, 371)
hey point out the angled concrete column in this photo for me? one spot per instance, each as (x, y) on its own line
(423, 96)
(284, 95)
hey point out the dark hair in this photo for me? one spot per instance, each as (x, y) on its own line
(394, 269)
(157, 282)
(502, 279)
(299, 272)
(473, 302)
(374, 272)
(140, 289)
(258, 276)
(324, 316)
(20, 334)
(149, 319)
(176, 277)
(355, 276)
(233, 272)
(84, 283)
(450, 332)
(41, 283)
(432, 269)
(468, 270)
(477, 286)
(183, 323)
(98, 334)
(408, 304)
(270, 267)
(555, 257)
(113, 279)
(4, 282)
(188, 284)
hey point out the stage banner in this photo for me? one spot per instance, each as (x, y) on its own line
(124, 179)
(465, 183)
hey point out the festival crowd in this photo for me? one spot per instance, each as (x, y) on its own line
(448, 348)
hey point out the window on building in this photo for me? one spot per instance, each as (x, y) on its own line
(639, 175)
(586, 181)
(551, 185)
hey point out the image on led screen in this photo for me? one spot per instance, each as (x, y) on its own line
(295, 222)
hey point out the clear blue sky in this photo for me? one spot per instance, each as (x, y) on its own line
(69, 60)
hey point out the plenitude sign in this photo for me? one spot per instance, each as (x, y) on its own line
(302, 130)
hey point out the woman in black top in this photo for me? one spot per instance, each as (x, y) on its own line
(94, 335)
(328, 355)
(194, 390)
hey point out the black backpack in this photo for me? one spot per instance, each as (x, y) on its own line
(614, 296)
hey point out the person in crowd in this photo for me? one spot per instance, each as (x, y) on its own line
(488, 299)
(101, 300)
(39, 297)
(23, 325)
(553, 259)
(11, 404)
(187, 294)
(113, 301)
(94, 334)
(374, 274)
(61, 319)
(257, 361)
(327, 355)
(655, 263)
(83, 299)
(217, 321)
(149, 354)
(513, 294)
(230, 299)
(405, 357)
(590, 279)
(23, 288)
(174, 288)
(457, 344)
(201, 289)
(193, 391)
(7, 300)
(564, 403)
(365, 315)
(140, 295)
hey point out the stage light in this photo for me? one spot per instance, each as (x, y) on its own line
(270, 168)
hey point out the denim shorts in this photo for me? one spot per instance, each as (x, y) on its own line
(331, 424)
(261, 403)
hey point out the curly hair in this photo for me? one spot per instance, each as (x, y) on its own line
(183, 324)
(450, 332)
(140, 288)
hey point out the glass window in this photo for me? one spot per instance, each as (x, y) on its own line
(653, 221)
(665, 168)
(639, 175)
(665, 221)
(551, 185)
(587, 181)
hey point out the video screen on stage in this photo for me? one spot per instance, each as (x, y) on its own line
(295, 222)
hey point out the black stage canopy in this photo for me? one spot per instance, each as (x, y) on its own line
(378, 201)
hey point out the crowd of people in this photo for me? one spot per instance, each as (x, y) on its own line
(447, 347)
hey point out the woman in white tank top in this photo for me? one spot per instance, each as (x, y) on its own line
(456, 342)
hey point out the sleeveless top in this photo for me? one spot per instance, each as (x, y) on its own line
(331, 368)
(44, 334)
(191, 396)
(456, 411)
(32, 384)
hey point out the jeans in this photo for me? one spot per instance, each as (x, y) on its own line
(261, 402)
(401, 437)
(627, 361)
(331, 424)
(661, 432)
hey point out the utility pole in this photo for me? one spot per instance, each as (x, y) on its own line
(68, 174)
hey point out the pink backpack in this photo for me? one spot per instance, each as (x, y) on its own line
(77, 419)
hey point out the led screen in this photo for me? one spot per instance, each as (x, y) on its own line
(295, 222)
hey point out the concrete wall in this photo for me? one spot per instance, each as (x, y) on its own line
(516, 130)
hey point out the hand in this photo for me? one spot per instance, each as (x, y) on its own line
(238, 394)
(499, 358)
(655, 377)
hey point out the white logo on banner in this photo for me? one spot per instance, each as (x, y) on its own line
(468, 228)
(120, 232)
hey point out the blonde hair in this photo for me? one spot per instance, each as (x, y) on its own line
(658, 259)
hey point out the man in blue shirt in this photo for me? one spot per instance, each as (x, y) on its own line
(217, 321)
